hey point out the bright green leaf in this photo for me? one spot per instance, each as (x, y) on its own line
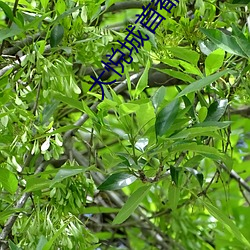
(143, 81)
(49, 244)
(158, 97)
(198, 85)
(186, 54)
(8, 180)
(173, 196)
(35, 183)
(214, 61)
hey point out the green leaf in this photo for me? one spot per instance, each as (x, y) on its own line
(49, 244)
(244, 45)
(7, 10)
(98, 210)
(227, 223)
(158, 97)
(117, 181)
(216, 110)
(214, 61)
(128, 108)
(143, 81)
(223, 41)
(219, 125)
(166, 117)
(44, 3)
(240, 2)
(41, 243)
(204, 150)
(174, 172)
(70, 101)
(68, 12)
(202, 114)
(173, 196)
(132, 203)
(13, 246)
(49, 110)
(193, 132)
(66, 172)
(56, 35)
(8, 180)
(198, 175)
(177, 74)
(9, 211)
(35, 184)
(198, 85)
(186, 54)
(9, 32)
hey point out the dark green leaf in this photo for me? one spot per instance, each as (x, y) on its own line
(166, 117)
(240, 2)
(117, 181)
(132, 203)
(174, 172)
(216, 110)
(56, 35)
(223, 41)
(198, 175)
(7, 10)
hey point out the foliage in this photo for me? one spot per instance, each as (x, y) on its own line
(160, 163)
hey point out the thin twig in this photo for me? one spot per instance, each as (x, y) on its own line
(235, 176)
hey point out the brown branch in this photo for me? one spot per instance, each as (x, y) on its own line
(21, 44)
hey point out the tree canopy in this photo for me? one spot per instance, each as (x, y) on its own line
(159, 159)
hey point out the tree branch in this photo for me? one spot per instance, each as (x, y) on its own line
(236, 177)
(20, 203)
